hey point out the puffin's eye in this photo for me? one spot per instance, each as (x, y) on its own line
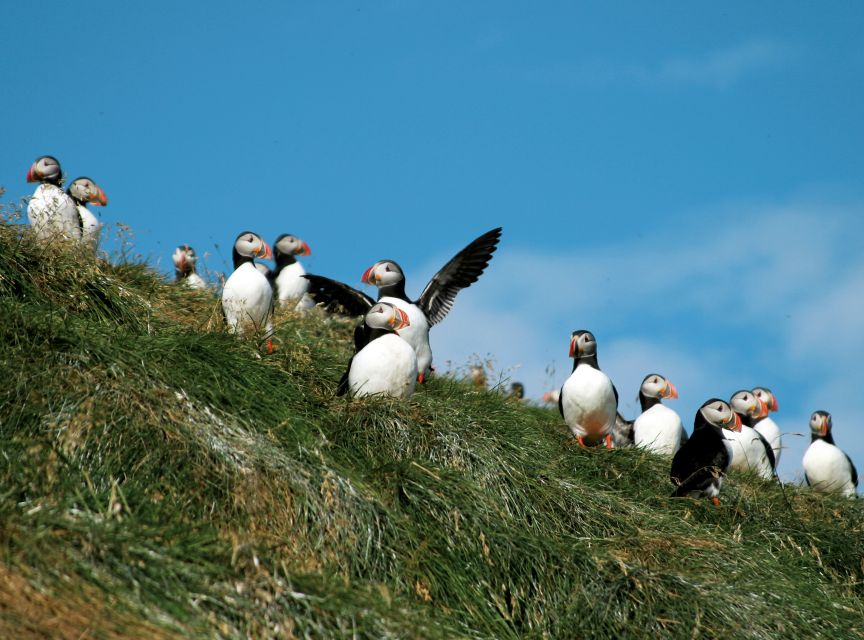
(387, 267)
(720, 407)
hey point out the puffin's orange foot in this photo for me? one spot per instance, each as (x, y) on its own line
(608, 442)
(716, 501)
(270, 346)
(580, 441)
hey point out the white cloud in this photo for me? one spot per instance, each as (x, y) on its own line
(718, 69)
(769, 296)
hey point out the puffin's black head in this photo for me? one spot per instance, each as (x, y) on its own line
(184, 258)
(748, 405)
(83, 190)
(582, 344)
(383, 273)
(288, 245)
(386, 316)
(46, 169)
(517, 390)
(717, 413)
(767, 397)
(820, 424)
(656, 386)
(250, 245)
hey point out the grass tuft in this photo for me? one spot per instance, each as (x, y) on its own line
(170, 480)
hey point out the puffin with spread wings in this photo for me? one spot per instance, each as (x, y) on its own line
(430, 308)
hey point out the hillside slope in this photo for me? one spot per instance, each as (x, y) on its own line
(162, 479)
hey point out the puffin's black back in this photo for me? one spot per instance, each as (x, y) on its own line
(698, 462)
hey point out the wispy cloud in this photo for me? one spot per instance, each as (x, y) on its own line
(771, 296)
(717, 69)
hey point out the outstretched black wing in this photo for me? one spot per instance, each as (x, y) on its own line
(463, 270)
(337, 297)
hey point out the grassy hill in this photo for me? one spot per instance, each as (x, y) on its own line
(162, 479)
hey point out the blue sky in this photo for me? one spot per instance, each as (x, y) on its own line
(684, 179)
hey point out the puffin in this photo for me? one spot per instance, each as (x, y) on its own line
(430, 308)
(701, 463)
(750, 451)
(247, 297)
(826, 467)
(383, 363)
(185, 258)
(588, 400)
(765, 425)
(83, 190)
(51, 211)
(658, 428)
(289, 284)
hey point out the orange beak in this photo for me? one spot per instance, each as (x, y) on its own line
(367, 275)
(670, 391)
(99, 198)
(403, 319)
(763, 408)
(737, 422)
(572, 347)
(306, 251)
(774, 404)
(268, 253)
(31, 174)
(182, 262)
(824, 429)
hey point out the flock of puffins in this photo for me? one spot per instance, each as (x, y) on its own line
(392, 353)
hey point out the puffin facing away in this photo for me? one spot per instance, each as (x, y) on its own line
(750, 451)
(588, 401)
(383, 363)
(51, 211)
(84, 190)
(289, 283)
(765, 425)
(434, 303)
(658, 428)
(185, 258)
(826, 467)
(701, 462)
(247, 297)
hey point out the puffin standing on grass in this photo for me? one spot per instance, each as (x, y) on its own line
(701, 462)
(750, 451)
(765, 425)
(185, 259)
(383, 363)
(588, 401)
(289, 284)
(826, 467)
(434, 303)
(658, 428)
(247, 297)
(84, 190)
(51, 211)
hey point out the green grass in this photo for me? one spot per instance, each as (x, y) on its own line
(161, 478)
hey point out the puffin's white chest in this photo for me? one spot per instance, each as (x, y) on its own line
(291, 285)
(827, 468)
(658, 429)
(748, 452)
(771, 432)
(194, 281)
(387, 365)
(417, 334)
(246, 299)
(53, 213)
(588, 402)
(90, 227)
